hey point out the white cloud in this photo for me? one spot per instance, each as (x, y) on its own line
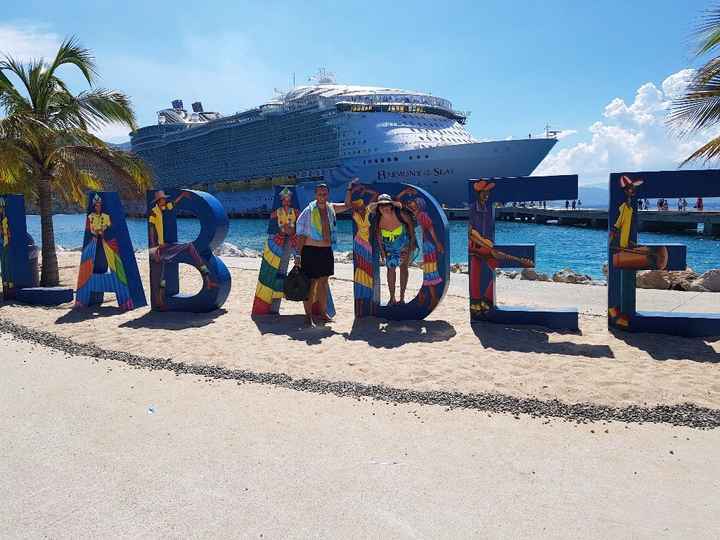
(28, 42)
(114, 133)
(629, 136)
(566, 133)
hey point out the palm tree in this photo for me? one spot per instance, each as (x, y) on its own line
(699, 107)
(46, 149)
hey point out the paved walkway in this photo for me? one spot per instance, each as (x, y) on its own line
(95, 449)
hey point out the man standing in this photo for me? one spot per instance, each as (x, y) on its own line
(316, 239)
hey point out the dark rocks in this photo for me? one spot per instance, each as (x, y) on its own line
(653, 279)
(568, 275)
(530, 274)
(683, 280)
(709, 281)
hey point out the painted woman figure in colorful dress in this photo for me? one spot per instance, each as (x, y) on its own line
(431, 245)
(98, 255)
(7, 279)
(362, 250)
(286, 217)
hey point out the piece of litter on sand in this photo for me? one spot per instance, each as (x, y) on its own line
(151, 409)
(383, 462)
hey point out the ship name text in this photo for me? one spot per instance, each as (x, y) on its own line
(382, 174)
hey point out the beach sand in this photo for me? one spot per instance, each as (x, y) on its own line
(92, 448)
(444, 352)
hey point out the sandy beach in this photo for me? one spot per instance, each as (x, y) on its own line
(96, 449)
(442, 353)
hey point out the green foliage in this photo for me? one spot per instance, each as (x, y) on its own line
(45, 129)
(46, 147)
(699, 107)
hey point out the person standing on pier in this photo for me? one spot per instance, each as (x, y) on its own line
(316, 239)
(567, 204)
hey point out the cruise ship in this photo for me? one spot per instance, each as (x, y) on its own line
(332, 133)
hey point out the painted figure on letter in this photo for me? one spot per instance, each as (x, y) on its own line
(484, 257)
(362, 248)
(7, 279)
(161, 252)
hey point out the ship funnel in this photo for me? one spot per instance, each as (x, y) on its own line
(177, 104)
(197, 107)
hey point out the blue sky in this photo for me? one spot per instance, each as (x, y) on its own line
(515, 64)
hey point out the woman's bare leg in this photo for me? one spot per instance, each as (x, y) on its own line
(404, 274)
(391, 284)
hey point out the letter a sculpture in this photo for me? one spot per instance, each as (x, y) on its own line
(107, 262)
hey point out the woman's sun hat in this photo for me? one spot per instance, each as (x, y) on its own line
(385, 199)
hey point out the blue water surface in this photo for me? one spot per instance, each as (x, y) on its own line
(583, 250)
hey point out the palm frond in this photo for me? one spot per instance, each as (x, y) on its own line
(101, 106)
(71, 183)
(71, 52)
(707, 152)
(707, 32)
(123, 170)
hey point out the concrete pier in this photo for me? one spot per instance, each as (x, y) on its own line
(649, 220)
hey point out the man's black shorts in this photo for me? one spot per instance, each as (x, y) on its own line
(317, 262)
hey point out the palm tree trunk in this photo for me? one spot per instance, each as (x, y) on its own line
(50, 276)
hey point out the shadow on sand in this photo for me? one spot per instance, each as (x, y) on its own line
(76, 315)
(385, 334)
(534, 339)
(663, 347)
(173, 320)
(294, 327)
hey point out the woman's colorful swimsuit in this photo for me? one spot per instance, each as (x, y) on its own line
(395, 242)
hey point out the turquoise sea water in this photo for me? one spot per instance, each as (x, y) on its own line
(583, 250)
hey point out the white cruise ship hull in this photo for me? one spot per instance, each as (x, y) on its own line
(443, 171)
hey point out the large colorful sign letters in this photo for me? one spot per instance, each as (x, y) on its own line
(107, 262)
(166, 253)
(484, 255)
(19, 263)
(626, 255)
(410, 225)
